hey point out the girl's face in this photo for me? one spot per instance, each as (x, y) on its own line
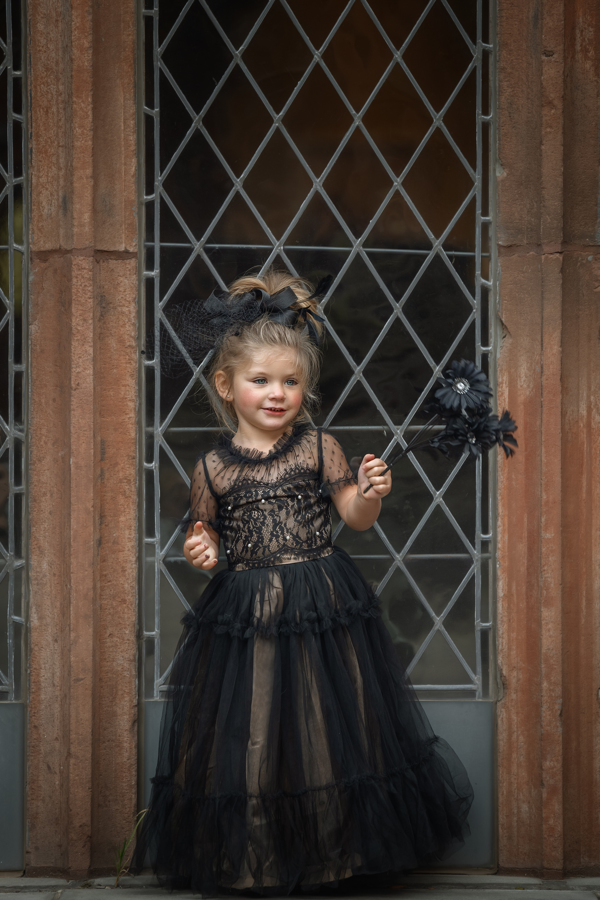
(266, 391)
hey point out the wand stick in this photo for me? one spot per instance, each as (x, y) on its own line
(414, 444)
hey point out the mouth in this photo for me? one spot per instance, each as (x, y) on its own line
(276, 410)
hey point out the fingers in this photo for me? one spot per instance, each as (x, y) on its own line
(206, 561)
(379, 479)
(198, 549)
(373, 467)
(201, 555)
(371, 464)
(196, 536)
(380, 489)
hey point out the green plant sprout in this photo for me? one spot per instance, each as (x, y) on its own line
(121, 861)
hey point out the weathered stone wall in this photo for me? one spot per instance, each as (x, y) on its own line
(81, 771)
(581, 439)
(549, 378)
(83, 419)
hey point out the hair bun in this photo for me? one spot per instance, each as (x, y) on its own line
(274, 281)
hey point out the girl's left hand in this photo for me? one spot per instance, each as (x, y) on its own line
(369, 473)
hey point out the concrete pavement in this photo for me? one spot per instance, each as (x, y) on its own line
(409, 887)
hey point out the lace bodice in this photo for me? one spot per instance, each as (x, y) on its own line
(273, 508)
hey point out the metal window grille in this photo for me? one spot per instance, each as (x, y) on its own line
(13, 370)
(449, 512)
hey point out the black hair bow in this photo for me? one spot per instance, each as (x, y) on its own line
(199, 326)
(278, 308)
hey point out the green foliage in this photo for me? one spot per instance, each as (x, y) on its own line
(122, 857)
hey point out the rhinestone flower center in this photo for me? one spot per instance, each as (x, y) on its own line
(471, 438)
(460, 385)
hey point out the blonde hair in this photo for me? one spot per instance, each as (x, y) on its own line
(236, 348)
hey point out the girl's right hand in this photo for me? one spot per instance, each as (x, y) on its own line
(198, 549)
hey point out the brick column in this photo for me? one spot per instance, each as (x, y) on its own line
(83, 446)
(549, 378)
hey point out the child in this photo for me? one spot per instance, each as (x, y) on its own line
(293, 750)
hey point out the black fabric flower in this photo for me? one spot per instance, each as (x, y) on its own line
(464, 387)
(472, 435)
(442, 442)
(462, 403)
(505, 428)
(435, 408)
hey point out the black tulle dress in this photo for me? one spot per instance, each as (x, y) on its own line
(293, 751)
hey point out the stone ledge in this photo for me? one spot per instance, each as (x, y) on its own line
(491, 886)
(127, 881)
(472, 881)
(12, 883)
(39, 895)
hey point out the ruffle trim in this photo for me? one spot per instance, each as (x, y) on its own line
(188, 520)
(368, 778)
(231, 453)
(329, 490)
(284, 625)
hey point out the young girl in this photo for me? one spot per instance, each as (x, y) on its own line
(293, 750)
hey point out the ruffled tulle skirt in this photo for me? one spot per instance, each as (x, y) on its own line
(293, 750)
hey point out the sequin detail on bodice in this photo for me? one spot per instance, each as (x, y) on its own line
(271, 509)
(283, 523)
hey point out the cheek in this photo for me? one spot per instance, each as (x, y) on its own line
(247, 395)
(296, 400)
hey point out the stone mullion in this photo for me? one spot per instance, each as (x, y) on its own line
(47, 801)
(549, 377)
(581, 560)
(82, 568)
(50, 196)
(116, 356)
(82, 748)
(551, 596)
(530, 221)
(520, 835)
(116, 538)
(520, 812)
(581, 438)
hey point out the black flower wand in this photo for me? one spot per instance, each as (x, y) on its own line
(462, 402)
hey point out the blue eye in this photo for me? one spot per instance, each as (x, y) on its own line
(260, 380)
(291, 381)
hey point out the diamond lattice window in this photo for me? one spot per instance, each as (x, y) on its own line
(349, 138)
(12, 349)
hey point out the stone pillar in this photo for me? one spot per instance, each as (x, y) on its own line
(549, 378)
(581, 438)
(82, 754)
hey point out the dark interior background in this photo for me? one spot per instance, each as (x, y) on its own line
(234, 241)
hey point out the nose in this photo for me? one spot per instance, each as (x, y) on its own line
(276, 390)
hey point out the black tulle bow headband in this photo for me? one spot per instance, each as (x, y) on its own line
(197, 327)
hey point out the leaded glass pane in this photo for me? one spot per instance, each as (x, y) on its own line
(339, 137)
(12, 352)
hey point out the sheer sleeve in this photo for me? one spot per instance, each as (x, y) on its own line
(334, 467)
(203, 502)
